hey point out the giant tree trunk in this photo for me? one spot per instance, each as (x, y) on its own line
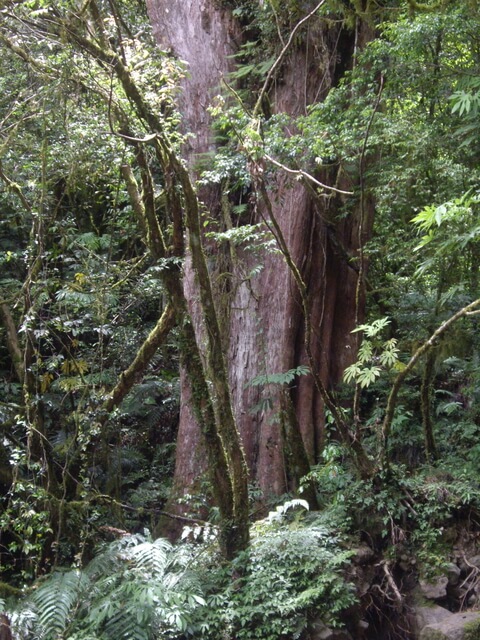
(264, 330)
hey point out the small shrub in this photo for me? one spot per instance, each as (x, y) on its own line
(292, 572)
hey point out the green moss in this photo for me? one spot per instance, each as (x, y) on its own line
(7, 591)
(472, 630)
(435, 634)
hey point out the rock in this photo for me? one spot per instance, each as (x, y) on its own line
(364, 577)
(320, 631)
(363, 625)
(458, 593)
(474, 561)
(453, 574)
(472, 601)
(434, 590)
(458, 626)
(363, 555)
(430, 615)
(361, 629)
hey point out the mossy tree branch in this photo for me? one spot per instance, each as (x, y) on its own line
(13, 344)
(211, 385)
(142, 359)
(214, 370)
(419, 353)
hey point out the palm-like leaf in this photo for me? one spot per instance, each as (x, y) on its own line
(152, 557)
(56, 600)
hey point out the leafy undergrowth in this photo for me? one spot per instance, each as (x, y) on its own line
(139, 589)
(301, 568)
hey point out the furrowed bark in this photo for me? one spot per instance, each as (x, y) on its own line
(215, 369)
(227, 462)
(264, 331)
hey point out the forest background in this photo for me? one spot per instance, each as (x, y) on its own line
(239, 265)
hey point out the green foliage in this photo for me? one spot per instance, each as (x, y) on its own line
(293, 571)
(472, 630)
(333, 479)
(78, 281)
(451, 242)
(135, 588)
(466, 103)
(55, 600)
(250, 237)
(451, 216)
(26, 516)
(76, 257)
(279, 378)
(404, 514)
(364, 372)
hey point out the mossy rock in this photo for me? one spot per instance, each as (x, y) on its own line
(7, 591)
(459, 626)
(472, 630)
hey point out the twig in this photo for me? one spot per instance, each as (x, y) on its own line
(422, 350)
(303, 174)
(391, 582)
(161, 512)
(146, 139)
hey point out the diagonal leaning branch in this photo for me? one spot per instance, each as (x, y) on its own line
(216, 384)
(144, 355)
(421, 351)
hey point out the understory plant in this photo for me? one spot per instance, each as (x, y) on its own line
(292, 573)
(137, 588)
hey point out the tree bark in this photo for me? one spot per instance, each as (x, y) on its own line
(13, 344)
(426, 393)
(264, 321)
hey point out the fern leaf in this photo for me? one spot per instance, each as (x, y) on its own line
(126, 626)
(56, 599)
(152, 557)
(351, 373)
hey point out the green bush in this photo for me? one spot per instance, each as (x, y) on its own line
(291, 573)
(135, 589)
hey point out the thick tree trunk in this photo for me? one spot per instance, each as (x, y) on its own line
(265, 329)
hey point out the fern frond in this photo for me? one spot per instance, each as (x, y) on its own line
(152, 557)
(24, 621)
(106, 562)
(125, 626)
(55, 601)
(126, 612)
(112, 556)
(135, 589)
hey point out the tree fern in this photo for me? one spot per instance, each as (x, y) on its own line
(110, 557)
(149, 593)
(128, 624)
